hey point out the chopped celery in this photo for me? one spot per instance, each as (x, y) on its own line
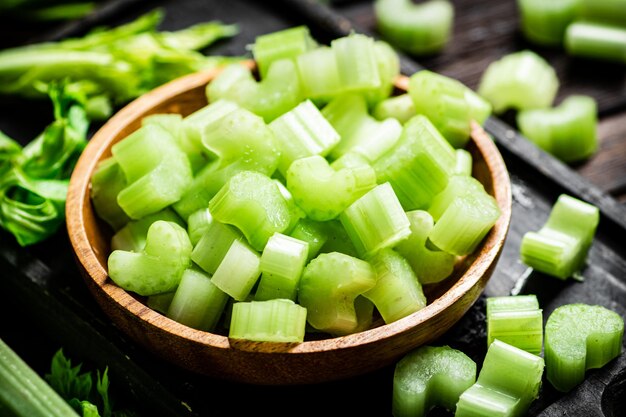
(568, 131)
(132, 237)
(210, 250)
(397, 292)
(608, 11)
(419, 164)
(560, 247)
(328, 288)
(507, 384)
(106, 183)
(580, 337)
(544, 22)
(160, 302)
(516, 320)
(458, 186)
(324, 193)
(399, 107)
(429, 265)
(520, 80)
(597, 41)
(159, 267)
(286, 43)
(357, 65)
(388, 63)
(197, 224)
(239, 270)
(276, 320)
(430, 376)
(376, 221)
(204, 120)
(312, 232)
(463, 162)
(337, 239)
(419, 29)
(282, 262)
(197, 302)
(319, 74)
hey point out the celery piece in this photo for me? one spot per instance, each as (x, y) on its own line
(160, 302)
(239, 270)
(418, 29)
(276, 320)
(580, 337)
(132, 237)
(508, 382)
(430, 376)
(157, 171)
(295, 212)
(159, 267)
(357, 65)
(458, 186)
(399, 107)
(397, 292)
(302, 131)
(338, 239)
(281, 44)
(480, 108)
(376, 221)
(569, 131)
(463, 162)
(205, 119)
(282, 263)
(324, 193)
(388, 63)
(197, 302)
(312, 232)
(206, 183)
(544, 23)
(429, 265)
(519, 80)
(106, 183)
(319, 74)
(210, 250)
(418, 165)
(253, 203)
(328, 288)
(516, 320)
(560, 247)
(349, 160)
(608, 11)
(197, 224)
(596, 41)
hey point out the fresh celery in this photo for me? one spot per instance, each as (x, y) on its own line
(160, 302)
(399, 107)
(197, 224)
(106, 183)
(132, 237)
(597, 41)
(357, 64)
(210, 250)
(544, 23)
(276, 320)
(607, 11)
(458, 186)
(312, 232)
(239, 270)
(286, 43)
(516, 320)
(463, 162)
(338, 239)
(388, 63)
(319, 74)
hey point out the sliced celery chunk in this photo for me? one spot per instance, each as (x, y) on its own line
(458, 186)
(430, 376)
(286, 43)
(338, 239)
(132, 237)
(253, 203)
(159, 267)
(399, 107)
(568, 131)
(397, 292)
(319, 74)
(464, 162)
(312, 232)
(376, 221)
(328, 288)
(210, 250)
(608, 11)
(429, 265)
(197, 302)
(419, 29)
(507, 384)
(580, 337)
(197, 224)
(560, 247)
(106, 183)
(516, 320)
(544, 22)
(282, 263)
(596, 41)
(519, 80)
(276, 320)
(239, 270)
(357, 66)
(388, 63)
(419, 164)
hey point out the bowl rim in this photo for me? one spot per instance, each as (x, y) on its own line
(79, 204)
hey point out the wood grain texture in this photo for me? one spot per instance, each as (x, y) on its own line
(270, 363)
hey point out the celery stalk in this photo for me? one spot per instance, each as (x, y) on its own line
(286, 43)
(596, 41)
(319, 74)
(516, 320)
(544, 23)
(312, 232)
(197, 224)
(276, 320)
(106, 183)
(239, 271)
(132, 237)
(399, 107)
(210, 250)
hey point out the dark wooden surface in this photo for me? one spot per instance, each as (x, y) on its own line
(44, 293)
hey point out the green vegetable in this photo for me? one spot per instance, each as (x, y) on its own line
(276, 320)
(239, 271)
(132, 237)
(287, 43)
(608, 11)
(399, 107)
(213, 245)
(597, 41)
(580, 337)
(516, 320)
(544, 23)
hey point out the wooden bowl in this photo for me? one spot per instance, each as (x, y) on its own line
(312, 361)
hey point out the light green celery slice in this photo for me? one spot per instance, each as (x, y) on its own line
(235, 83)
(568, 131)
(516, 320)
(287, 43)
(197, 224)
(132, 237)
(399, 107)
(560, 247)
(295, 212)
(206, 183)
(210, 250)
(328, 288)
(388, 63)
(544, 23)
(463, 162)
(319, 74)
(276, 320)
(580, 337)
(357, 65)
(518, 81)
(338, 239)
(364, 310)
(106, 183)
(160, 302)
(397, 292)
(596, 41)
(282, 263)
(430, 376)
(312, 232)
(458, 186)
(321, 191)
(419, 164)
(159, 267)
(608, 11)
(302, 131)
(465, 223)
(507, 384)
(480, 108)
(253, 203)
(197, 303)
(376, 221)
(349, 160)
(418, 29)
(430, 266)
(239, 270)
